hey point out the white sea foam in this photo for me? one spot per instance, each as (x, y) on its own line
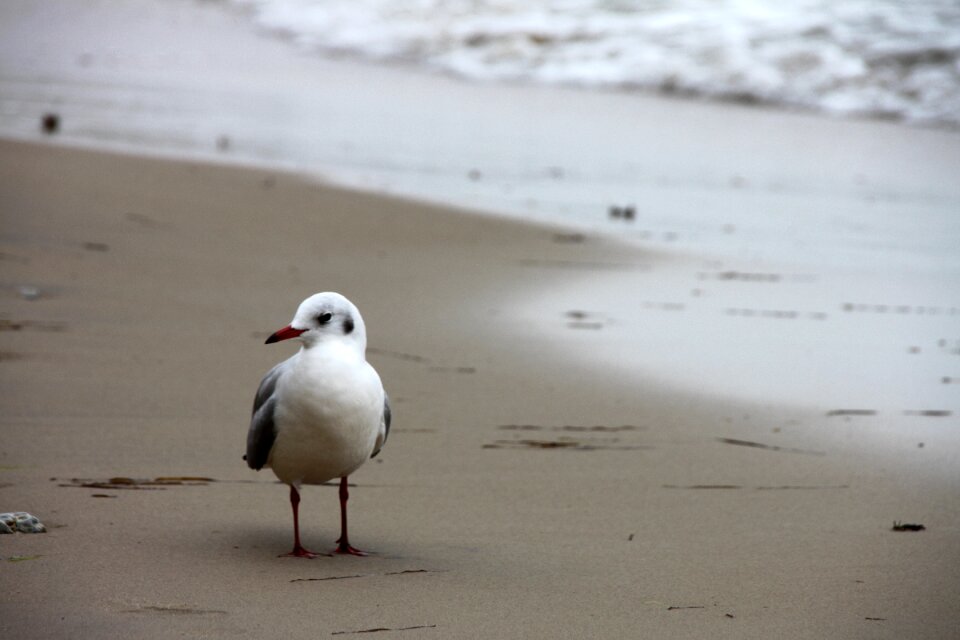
(896, 59)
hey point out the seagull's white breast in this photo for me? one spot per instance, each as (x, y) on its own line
(328, 415)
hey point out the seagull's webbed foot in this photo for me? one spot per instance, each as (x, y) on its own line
(300, 552)
(344, 549)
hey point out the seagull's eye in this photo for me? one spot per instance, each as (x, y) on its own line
(324, 318)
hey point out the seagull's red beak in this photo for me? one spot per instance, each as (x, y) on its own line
(284, 334)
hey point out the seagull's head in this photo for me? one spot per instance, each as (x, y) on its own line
(322, 317)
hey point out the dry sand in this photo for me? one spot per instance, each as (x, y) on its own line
(519, 495)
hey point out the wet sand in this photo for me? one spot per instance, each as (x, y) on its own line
(521, 494)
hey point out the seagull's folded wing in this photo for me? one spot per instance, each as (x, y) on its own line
(261, 435)
(384, 427)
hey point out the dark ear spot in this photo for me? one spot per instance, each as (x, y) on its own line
(348, 325)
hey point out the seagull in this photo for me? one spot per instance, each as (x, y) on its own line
(321, 413)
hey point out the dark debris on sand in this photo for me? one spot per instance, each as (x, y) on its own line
(138, 483)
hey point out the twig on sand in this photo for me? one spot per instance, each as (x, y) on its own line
(376, 629)
(769, 447)
(368, 575)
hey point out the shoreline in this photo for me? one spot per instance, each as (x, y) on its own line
(538, 153)
(875, 336)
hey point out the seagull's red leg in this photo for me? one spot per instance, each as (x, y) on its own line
(298, 550)
(343, 544)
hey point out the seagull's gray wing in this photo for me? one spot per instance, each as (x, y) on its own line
(384, 427)
(261, 435)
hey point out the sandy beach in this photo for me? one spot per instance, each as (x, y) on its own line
(520, 495)
(701, 422)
